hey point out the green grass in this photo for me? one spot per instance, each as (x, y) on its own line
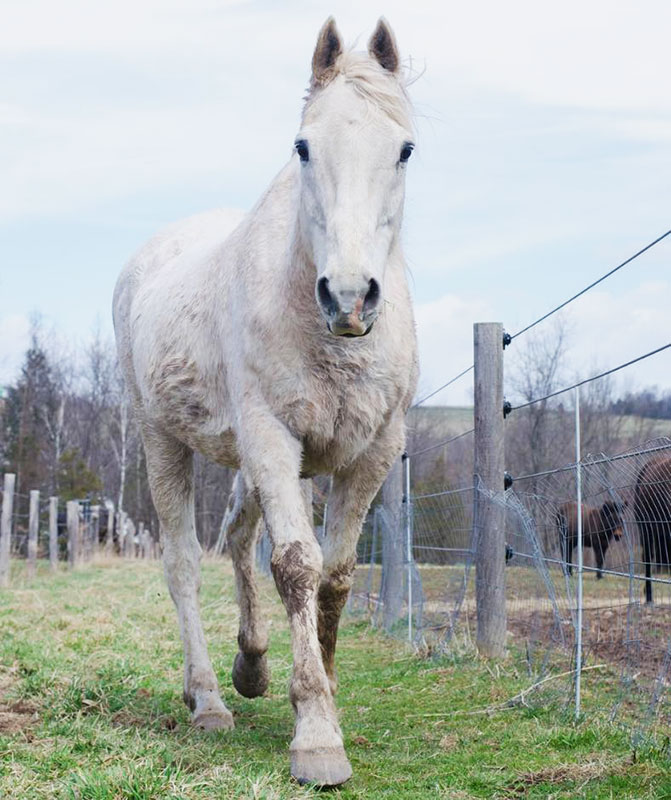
(90, 708)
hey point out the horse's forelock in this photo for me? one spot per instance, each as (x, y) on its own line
(378, 86)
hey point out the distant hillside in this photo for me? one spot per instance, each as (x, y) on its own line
(441, 422)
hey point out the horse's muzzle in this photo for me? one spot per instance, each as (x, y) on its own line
(347, 330)
(349, 312)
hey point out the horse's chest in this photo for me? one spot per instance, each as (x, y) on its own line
(336, 419)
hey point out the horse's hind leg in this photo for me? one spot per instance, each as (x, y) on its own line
(250, 668)
(170, 470)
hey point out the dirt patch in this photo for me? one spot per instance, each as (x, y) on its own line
(633, 639)
(565, 773)
(16, 715)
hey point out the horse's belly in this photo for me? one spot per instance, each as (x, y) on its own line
(221, 449)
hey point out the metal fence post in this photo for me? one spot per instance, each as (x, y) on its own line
(407, 508)
(489, 466)
(578, 487)
(6, 526)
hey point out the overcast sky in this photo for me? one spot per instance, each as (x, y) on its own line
(543, 156)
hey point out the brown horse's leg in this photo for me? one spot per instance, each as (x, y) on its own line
(352, 492)
(271, 464)
(170, 470)
(250, 668)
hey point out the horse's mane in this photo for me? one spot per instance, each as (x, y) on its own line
(385, 90)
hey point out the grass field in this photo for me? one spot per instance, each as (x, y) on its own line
(90, 708)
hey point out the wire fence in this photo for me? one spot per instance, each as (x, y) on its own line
(602, 609)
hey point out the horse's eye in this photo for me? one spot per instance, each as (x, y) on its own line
(302, 150)
(406, 152)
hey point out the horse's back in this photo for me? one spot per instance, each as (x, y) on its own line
(160, 280)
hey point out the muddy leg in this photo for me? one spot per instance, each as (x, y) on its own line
(352, 492)
(251, 675)
(271, 464)
(170, 469)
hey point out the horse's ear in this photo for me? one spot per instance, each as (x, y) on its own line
(382, 46)
(329, 47)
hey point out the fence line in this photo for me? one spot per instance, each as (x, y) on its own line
(588, 380)
(444, 386)
(591, 286)
(76, 533)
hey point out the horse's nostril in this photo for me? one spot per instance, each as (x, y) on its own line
(372, 297)
(326, 299)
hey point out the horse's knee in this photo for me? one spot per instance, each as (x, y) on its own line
(296, 568)
(333, 590)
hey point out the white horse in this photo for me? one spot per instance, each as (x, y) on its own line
(286, 349)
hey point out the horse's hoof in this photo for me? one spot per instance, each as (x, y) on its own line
(323, 766)
(250, 674)
(210, 713)
(213, 720)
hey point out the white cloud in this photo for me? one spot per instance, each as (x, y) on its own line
(609, 329)
(445, 332)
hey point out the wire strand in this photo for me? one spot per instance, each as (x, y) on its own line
(593, 378)
(591, 286)
(440, 444)
(444, 386)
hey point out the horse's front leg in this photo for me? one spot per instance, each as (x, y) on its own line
(352, 493)
(170, 470)
(271, 459)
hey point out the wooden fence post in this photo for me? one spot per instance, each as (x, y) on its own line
(95, 530)
(391, 590)
(53, 533)
(123, 533)
(109, 538)
(33, 528)
(72, 508)
(6, 526)
(489, 466)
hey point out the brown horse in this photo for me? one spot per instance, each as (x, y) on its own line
(599, 526)
(652, 508)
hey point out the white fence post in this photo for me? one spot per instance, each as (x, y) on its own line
(408, 535)
(72, 509)
(578, 486)
(6, 526)
(109, 536)
(53, 533)
(95, 530)
(33, 528)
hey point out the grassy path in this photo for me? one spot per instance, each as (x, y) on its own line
(90, 708)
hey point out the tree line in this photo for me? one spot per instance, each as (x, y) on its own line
(67, 429)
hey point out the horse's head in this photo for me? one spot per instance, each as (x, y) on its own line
(353, 145)
(611, 516)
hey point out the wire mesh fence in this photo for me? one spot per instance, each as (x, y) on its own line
(626, 517)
